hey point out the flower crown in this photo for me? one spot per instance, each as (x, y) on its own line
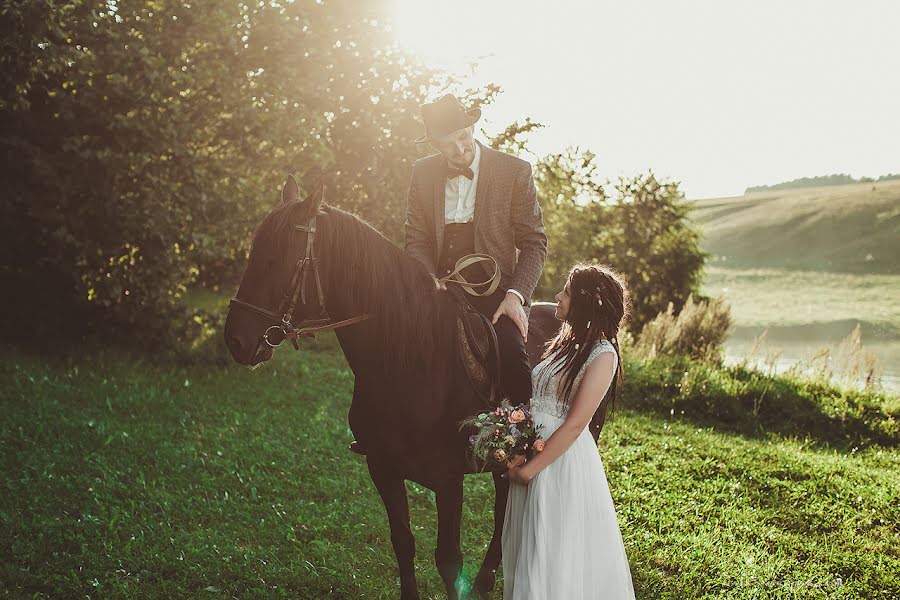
(595, 294)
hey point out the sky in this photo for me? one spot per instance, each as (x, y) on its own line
(717, 94)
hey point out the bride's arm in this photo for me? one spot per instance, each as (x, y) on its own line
(597, 378)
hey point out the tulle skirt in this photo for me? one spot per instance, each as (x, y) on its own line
(561, 537)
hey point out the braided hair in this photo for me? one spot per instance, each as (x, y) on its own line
(598, 307)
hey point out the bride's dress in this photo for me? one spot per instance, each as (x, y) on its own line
(561, 537)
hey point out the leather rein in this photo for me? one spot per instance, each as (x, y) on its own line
(283, 329)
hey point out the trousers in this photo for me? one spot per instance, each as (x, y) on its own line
(515, 370)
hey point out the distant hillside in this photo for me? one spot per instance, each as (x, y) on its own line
(822, 180)
(851, 228)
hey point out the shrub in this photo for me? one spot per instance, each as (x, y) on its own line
(698, 331)
(751, 402)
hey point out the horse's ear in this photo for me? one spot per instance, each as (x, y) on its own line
(290, 192)
(315, 199)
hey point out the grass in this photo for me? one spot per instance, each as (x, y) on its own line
(849, 229)
(131, 478)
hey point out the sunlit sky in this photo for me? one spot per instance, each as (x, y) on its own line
(717, 94)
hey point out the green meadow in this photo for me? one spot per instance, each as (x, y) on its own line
(126, 477)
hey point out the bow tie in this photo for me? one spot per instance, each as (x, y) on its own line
(465, 172)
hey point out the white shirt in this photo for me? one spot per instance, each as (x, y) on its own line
(459, 194)
(459, 200)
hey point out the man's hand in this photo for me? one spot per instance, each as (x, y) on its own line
(512, 308)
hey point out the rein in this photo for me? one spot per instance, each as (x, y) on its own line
(284, 329)
(473, 259)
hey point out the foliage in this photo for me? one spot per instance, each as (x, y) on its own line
(745, 399)
(144, 140)
(698, 330)
(572, 201)
(642, 231)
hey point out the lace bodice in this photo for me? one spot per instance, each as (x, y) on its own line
(545, 379)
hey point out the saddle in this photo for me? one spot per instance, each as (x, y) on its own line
(477, 349)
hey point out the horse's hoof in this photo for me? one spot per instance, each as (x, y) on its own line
(484, 583)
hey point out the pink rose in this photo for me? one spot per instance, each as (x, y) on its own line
(516, 416)
(538, 445)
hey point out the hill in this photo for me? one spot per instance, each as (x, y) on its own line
(848, 229)
(806, 182)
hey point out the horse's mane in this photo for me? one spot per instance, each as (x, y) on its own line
(415, 321)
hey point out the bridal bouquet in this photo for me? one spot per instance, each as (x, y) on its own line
(505, 437)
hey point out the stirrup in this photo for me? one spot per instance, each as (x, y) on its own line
(357, 448)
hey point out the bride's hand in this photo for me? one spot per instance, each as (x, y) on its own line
(518, 475)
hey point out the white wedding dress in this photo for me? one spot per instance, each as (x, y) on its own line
(561, 537)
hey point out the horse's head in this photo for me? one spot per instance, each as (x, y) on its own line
(280, 286)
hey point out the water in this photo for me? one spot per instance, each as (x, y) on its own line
(800, 349)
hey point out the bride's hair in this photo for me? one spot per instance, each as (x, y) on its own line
(598, 307)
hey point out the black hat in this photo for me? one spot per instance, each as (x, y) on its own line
(446, 115)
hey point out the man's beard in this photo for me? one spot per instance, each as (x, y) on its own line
(468, 159)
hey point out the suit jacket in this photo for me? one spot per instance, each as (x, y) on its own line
(508, 221)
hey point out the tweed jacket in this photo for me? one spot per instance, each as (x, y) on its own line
(508, 222)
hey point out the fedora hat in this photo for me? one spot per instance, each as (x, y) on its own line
(446, 115)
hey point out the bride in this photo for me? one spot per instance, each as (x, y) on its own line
(561, 537)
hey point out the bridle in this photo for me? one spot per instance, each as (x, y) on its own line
(282, 328)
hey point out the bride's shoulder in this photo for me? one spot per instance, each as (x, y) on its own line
(602, 345)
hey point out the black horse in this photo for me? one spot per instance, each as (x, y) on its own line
(410, 389)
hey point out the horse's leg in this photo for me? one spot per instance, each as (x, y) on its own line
(487, 574)
(392, 489)
(448, 554)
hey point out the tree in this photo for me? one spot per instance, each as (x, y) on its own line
(642, 230)
(144, 140)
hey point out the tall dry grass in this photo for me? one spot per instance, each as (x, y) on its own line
(846, 363)
(698, 331)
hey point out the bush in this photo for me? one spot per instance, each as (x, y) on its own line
(698, 331)
(750, 402)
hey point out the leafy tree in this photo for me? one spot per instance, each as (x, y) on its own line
(143, 140)
(649, 237)
(642, 229)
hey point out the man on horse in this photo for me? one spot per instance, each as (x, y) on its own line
(468, 198)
